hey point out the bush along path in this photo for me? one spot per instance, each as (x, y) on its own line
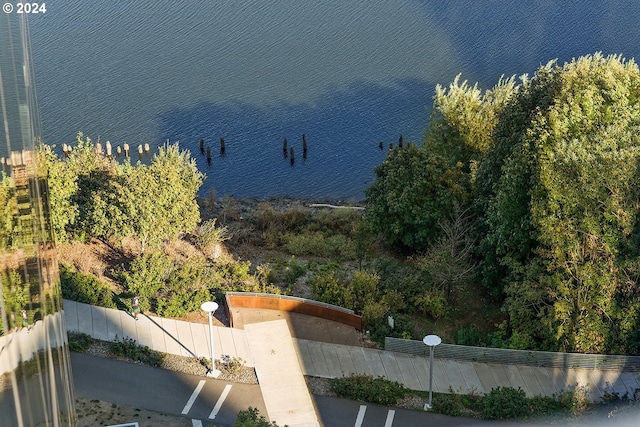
(501, 403)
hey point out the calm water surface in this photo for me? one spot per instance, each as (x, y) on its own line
(347, 74)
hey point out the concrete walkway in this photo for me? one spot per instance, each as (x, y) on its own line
(330, 360)
(285, 391)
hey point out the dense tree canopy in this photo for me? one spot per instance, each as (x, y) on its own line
(562, 209)
(413, 191)
(92, 195)
(548, 171)
(416, 188)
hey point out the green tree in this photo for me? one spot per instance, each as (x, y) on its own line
(410, 195)
(8, 206)
(147, 276)
(463, 118)
(185, 289)
(562, 207)
(416, 187)
(73, 185)
(448, 263)
(158, 202)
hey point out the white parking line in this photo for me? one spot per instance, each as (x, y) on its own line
(360, 417)
(220, 401)
(193, 397)
(196, 423)
(390, 416)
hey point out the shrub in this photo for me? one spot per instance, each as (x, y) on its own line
(447, 404)
(230, 210)
(80, 342)
(317, 244)
(128, 347)
(85, 288)
(365, 388)
(207, 235)
(251, 418)
(504, 403)
(363, 290)
(184, 290)
(147, 274)
(338, 221)
(327, 288)
(544, 405)
(289, 271)
(373, 313)
(469, 336)
(575, 401)
(233, 365)
(393, 300)
(379, 328)
(432, 303)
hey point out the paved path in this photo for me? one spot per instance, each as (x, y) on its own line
(332, 360)
(284, 389)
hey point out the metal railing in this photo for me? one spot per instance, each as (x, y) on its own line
(517, 357)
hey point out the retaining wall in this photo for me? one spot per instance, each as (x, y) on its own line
(292, 304)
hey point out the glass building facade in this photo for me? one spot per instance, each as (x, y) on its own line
(36, 387)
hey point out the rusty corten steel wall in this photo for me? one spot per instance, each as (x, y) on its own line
(278, 302)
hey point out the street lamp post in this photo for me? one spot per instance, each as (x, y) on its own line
(210, 307)
(432, 341)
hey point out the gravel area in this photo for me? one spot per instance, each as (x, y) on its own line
(233, 371)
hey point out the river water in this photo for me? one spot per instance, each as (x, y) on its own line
(347, 74)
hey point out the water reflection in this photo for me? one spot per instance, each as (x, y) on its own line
(35, 371)
(342, 128)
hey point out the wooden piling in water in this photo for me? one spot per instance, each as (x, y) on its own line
(126, 149)
(223, 147)
(400, 141)
(202, 146)
(284, 147)
(292, 157)
(209, 155)
(304, 146)
(146, 148)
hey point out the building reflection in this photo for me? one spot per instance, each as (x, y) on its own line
(35, 373)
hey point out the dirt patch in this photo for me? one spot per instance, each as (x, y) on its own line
(93, 413)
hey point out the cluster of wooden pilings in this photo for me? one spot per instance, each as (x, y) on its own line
(287, 151)
(143, 149)
(290, 152)
(400, 144)
(206, 150)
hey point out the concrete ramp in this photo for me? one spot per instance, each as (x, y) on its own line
(284, 389)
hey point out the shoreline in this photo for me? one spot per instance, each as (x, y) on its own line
(248, 205)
